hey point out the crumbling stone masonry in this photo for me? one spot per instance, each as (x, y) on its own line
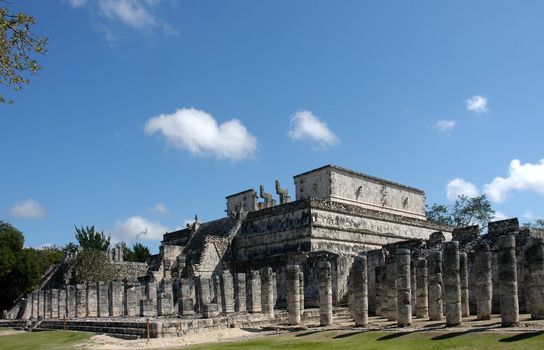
(267, 293)
(463, 276)
(434, 262)
(227, 292)
(506, 259)
(484, 282)
(452, 284)
(293, 294)
(325, 293)
(534, 254)
(404, 294)
(360, 291)
(240, 292)
(254, 302)
(391, 289)
(422, 285)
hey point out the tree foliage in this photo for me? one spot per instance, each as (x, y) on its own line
(537, 224)
(91, 265)
(19, 266)
(18, 47)
(138, 253)
(91, 239)
(464, 212)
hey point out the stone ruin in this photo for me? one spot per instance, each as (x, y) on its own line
(348, 242)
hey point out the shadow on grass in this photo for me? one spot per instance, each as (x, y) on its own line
(307, 333)
(346, 335)
(520, 336)
(394, 335)
(450, 335)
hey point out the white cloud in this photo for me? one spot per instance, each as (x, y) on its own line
(28, 209)
(529, 215)
(445, 125)
(499, 216)
(521, 177)
(138, 228)
(458, 187)
(134, 13)
(198, 132)
(131, 12)
(306, 126)
(160, 208)
(477, 104)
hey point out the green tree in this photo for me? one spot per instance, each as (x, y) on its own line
(91, 239)
(19, 267)
(464, 212)
(18, 47)
(91, 265)
(537, 224)
(138, 253)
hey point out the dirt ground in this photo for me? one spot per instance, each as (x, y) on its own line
(234, 334)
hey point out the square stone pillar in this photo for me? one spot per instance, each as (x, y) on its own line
(62, 303)
(116, 298)
(132, 298)
(217, 292)
(103, 300)
(165, 298)
(70, 301)
(81, 300)
(293, 294)
(185, 303)
(41, 303)
(240, 301)
(54, 303)
(203, 293)
(227, 292)
(92, 299)
(35, 304)
(254, 292)
(48, 303)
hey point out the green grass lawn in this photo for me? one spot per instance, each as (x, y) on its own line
(43, 340)
(371, 340)
(316, 340)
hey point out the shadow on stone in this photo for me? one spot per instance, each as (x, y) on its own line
(520, 336)
(393, 335)
(252, 330)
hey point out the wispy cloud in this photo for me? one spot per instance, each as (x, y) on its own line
(199, 133)
(138, 228)
(306, 126)
(160, 208)
(477, 104)
(137, 14)
(458, 187)
(521, 177)
(445, 125)
(28, 209)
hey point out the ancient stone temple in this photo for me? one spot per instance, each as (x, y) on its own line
(347, 239)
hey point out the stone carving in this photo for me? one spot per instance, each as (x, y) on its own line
(434, 263)
(293, 294)
(422, 301)
(484, 282)
(360, 291)
(268, 200)
(283, 193)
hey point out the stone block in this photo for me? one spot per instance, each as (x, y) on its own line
(116, 298)
(147, 308)
(103, 302)
(92, 300)
(254, 292)
(210, 310)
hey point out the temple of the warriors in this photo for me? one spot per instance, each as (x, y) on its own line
(347, 245)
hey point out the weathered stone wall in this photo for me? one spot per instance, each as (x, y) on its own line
(126, 270)
(342, 185)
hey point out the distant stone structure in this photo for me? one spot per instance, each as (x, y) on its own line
(347, 238)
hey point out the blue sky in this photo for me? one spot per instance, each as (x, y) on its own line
(150, 111)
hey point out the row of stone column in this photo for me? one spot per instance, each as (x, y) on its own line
(221, 294)
(225, 293)
(129, 298)
(442, 283)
